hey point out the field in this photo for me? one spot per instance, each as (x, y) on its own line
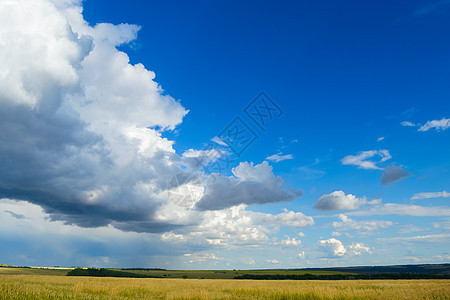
(62, 287)
(222, 274)
(191, 274)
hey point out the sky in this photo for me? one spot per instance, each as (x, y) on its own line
(224, 134)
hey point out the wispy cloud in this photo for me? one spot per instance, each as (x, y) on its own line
(362, 159)
(279, 157)
(362, 227)
(219, 141)
(442, 124)
(407, 124)
(420, 196)
(431, 238)
(404, 210)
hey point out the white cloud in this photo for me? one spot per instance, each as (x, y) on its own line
(273, 261)
(361, 159)
(335, 249)
(407, 124)
(403, 210)
(358, 248)
(201, 258)
(232, 226)
(332, 247)
(286, 218)
(442, 124)
(338, 200)
(438, 125)
(380, 139)
(238, 226)
(289, 242)
(219, 141)
(420, 196)
(431, 238)
(279, 157)
(170, 236)
(362, 227)
(392, 174)
(301, 255)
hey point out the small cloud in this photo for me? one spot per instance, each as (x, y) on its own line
(420, 196)
(442, 124)
(361, 159)
(338, 200)
(301, 255)
(170, 236)
(332, 247)
(294, 141)
(200, 258)
(407, 124)
(358, 248)
(380, 139)
(278, 157)
(219, 141)
(335, 233)
(393, 174)
(289, 242)
(273, 261)
(335, 249)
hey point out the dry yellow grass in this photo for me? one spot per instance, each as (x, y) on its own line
(58, 287)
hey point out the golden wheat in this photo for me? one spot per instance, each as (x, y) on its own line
(59, 287)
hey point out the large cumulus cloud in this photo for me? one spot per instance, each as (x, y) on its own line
(81, 128)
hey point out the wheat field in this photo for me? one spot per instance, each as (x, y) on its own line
(61, 287)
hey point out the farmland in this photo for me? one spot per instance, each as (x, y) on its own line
(31, 283)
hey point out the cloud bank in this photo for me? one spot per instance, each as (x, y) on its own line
(82, 127)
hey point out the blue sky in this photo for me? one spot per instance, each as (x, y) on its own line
(101, 117)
